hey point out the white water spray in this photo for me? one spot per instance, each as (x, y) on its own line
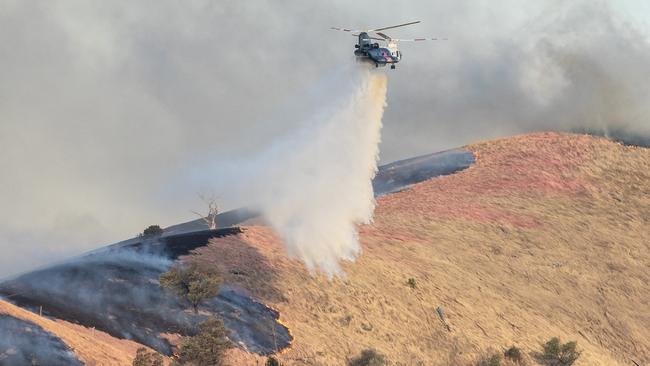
(315, 186)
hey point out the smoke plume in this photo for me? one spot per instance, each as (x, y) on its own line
(314, 186)
(104, 105)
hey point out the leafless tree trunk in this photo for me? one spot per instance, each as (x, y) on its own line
(213, 210)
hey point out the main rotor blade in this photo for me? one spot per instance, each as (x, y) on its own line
(384, 36)
(345, 29)
(394, 26)
(419, 39)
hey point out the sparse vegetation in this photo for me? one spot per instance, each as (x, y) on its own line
(207, 347)
(272, 361)
(368, 357)
(492, 360)
(554, 353)
(152, 230)
(146, 358)
(513, 354)
(192, 283)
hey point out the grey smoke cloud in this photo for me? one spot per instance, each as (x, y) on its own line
(104, 104)
(314, 186)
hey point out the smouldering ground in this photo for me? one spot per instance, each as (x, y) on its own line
(546, 235)
(91, 346)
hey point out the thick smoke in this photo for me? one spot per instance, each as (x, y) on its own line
(314, 186)
(592, 80)
(561, 66)
(103, 105)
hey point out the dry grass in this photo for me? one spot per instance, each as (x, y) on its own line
(546, 235)
(91, 346)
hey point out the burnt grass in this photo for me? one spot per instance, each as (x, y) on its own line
(117, 291)
(175, 246)
(400, 174)
(25, 343)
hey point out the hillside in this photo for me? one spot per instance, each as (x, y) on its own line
(542, 235)
(545, 235)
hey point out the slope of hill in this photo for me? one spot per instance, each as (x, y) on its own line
(546, 235)
(114, 289)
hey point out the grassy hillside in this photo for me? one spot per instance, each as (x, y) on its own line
(546, 235)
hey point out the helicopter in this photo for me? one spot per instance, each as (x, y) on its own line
(369, 51)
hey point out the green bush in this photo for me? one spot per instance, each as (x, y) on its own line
(145, 358)
(368, 357)
(272, 361)
(554, 353)
(192, 282)
(152, 230)
(207, 347)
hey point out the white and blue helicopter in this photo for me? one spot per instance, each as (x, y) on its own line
(369, 51)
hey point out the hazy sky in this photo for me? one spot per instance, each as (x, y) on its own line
(105, 107)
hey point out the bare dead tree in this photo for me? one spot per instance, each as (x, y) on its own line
(213, 210)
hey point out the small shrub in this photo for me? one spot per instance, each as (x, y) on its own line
(513, 354)
(368, 357)
(554, 353)
(207, 347)
(411, 283)
(272, 361)
(152, 230)
(145, 358)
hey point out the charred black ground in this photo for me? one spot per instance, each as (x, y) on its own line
(117, 291)
(396, 176)
(24, 343)
(175, 246)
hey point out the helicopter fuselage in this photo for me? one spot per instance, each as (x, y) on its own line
(368, 51)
